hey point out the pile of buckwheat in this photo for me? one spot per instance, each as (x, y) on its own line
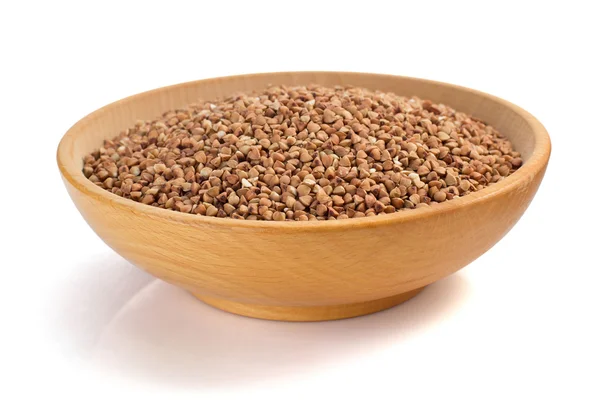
(303, 153)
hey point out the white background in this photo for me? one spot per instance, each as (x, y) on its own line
(80, 322)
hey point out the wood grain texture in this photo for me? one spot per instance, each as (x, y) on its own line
(311, 270)
(310, 313)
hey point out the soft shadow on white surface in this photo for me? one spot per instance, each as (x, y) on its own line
(144, 328)
(92, 296)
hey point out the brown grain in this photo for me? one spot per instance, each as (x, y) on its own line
(303, 153)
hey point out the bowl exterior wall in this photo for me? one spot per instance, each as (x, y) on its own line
(305, 267)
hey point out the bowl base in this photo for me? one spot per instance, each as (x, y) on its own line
(316, 313)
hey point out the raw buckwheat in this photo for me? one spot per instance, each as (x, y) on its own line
(303, 153)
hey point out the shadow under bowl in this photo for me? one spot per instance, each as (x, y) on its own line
(314, 270)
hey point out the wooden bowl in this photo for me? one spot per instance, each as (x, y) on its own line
(314, 270)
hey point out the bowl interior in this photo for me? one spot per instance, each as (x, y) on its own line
(89, 133)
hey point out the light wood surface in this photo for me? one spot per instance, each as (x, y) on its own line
(312, 270)
(310, 313)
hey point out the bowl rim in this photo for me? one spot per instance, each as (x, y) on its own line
(525, 174)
